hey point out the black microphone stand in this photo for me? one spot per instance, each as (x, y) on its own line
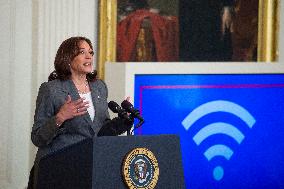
(141, 121)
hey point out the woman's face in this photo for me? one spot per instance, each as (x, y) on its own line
(83, 62)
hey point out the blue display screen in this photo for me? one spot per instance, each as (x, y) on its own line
(231, 126)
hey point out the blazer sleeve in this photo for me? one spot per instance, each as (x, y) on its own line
(44, 129)
(107, 116)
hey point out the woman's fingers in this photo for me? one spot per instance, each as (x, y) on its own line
(68, 100)
(75, 108)
(81, 106)
(81, 111)
(128, 98)
(79, 101)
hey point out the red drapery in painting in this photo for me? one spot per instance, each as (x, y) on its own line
(164, 30)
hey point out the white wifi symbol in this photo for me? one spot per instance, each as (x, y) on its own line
(218, 128)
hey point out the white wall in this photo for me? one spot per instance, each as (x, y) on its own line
(31, 31)
(15, 113)
(55, 21)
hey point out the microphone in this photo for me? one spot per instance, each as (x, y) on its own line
(129, 108)
(115, 108)
(122, 114)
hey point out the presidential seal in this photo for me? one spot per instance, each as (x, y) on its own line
(140, 169)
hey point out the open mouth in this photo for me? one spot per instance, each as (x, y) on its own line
(87, 64)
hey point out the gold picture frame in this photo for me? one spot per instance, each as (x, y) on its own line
(268, 31)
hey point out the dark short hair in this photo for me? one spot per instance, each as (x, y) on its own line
(66, 52)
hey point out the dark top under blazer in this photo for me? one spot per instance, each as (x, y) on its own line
(51, 96)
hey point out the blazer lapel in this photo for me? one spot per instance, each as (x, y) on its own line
(70, 88)
(95, 95)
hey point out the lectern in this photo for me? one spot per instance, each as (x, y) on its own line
(102, 163)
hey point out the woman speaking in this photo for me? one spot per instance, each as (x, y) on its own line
(72, 105)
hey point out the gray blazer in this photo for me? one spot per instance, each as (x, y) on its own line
(51, 96)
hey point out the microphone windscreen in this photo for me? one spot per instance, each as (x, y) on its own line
(113, 106)
(126, 105)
